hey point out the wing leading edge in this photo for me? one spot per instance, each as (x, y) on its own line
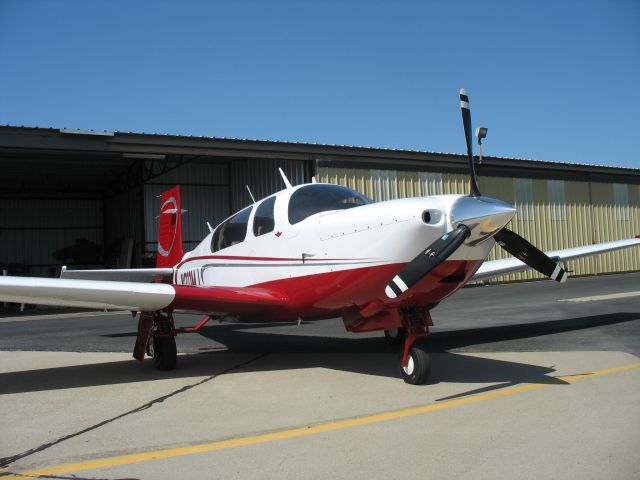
(505, 266)
(137, 296)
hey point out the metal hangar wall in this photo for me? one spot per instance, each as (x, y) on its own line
(90, 199)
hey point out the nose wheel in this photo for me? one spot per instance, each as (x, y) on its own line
(418, 367)
(415, 362)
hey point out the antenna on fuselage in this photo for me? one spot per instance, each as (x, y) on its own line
(250, 194)
(284, 178)
(210, 227)
(313, 180)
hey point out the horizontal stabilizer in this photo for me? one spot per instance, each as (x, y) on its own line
(119, 275)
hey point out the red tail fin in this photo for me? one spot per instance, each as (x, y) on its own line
(170, 250)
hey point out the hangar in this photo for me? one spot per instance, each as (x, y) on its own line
(88, 199)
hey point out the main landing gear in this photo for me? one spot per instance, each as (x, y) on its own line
(157, 338)
(415, 362)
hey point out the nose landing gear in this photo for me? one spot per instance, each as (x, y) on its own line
(415, 362)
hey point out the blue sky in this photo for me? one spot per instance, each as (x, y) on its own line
(553, 80)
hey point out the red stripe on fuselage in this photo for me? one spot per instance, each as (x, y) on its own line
(333, 294)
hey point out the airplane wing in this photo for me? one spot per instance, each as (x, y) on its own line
(505, 266)
(137, 296)
(122, 274)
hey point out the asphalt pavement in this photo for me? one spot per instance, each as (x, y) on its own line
(533, 380)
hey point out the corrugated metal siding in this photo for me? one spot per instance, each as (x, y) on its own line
(31, 230)
(609, 227)
(204, 191)
(585, 222)
(263, 178)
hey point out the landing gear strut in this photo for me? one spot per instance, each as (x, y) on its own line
(156, 338)
(415, 362)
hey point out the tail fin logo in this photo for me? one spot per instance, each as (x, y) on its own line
(169, 207)
(170, 250)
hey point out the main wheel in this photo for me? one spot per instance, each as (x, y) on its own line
(165, 353)
(418, 367)
(395, 336)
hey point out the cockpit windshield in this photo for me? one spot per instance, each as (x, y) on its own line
(312, 199)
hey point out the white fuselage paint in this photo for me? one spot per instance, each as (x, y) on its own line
(370, 235)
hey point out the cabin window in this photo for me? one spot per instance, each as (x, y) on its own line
(312, 199)
(231, 231)
(263, 221)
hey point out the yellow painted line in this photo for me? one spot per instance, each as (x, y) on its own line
(598, 298)
(300, 432)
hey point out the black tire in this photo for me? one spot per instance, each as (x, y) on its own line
(395, 336)
(165, 353)
(418, 367)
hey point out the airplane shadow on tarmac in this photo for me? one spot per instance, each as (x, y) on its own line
(251, 351)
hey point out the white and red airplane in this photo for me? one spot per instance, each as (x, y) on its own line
(313, 251)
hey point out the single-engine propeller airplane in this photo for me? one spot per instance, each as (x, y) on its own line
(313, 251)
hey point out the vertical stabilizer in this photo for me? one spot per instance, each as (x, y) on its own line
(170, 250)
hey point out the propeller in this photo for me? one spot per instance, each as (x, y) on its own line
(443, 247)
(426, 261)
(510, 241)
(466, 121)
(527, 253)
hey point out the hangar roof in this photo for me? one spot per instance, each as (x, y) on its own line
(35, 158)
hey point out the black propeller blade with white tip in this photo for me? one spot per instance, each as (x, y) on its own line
(426, 261)
(527, 253)
(466, 121)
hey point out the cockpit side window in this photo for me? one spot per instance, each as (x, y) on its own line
(232, 231)
(312, 199)
(263, 221)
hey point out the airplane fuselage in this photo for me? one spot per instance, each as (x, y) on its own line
(337, 262)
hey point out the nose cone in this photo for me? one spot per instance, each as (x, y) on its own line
(483, 215)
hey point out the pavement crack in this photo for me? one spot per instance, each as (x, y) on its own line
(6, 461)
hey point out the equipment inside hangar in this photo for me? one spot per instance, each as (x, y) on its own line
(90, 199)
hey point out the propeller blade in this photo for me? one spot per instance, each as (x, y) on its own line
(527, 253)
(466, 121)
(426, 261)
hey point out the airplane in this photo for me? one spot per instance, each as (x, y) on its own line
(313, 251)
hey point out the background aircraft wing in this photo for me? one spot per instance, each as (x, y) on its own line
(137, 296)
(123, 275)
(495, 268)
